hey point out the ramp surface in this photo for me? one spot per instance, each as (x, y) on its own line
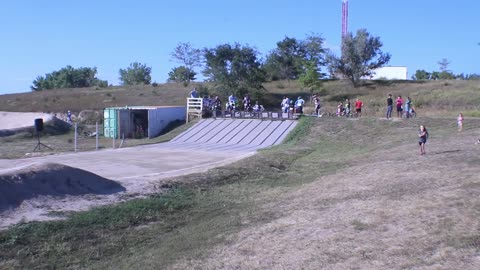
(233, 134)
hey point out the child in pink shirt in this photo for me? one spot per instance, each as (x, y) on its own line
(460, 121)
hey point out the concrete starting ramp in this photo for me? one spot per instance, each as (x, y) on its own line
(233, 134)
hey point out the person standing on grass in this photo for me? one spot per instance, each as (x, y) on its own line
(460, 122)
(408, 106)
(358, 107)
(340, 109)
(347, 107)
(316, 100)
(422, 139)
(389, 106)
(399, 104)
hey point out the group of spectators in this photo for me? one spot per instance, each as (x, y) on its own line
(404, 107)
(345, 109)
(290, 106)
(232, 104)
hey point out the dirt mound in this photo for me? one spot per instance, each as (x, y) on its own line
(14, 120)
(50, 179)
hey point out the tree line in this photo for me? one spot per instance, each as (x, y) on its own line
(443, 74)
(238, 69)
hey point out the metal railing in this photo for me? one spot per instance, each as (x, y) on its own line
(195, 108)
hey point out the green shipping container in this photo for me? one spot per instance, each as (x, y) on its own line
(110, 128)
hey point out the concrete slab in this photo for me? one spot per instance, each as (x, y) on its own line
(136, 162)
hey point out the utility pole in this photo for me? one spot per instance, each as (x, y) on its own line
(344, 18)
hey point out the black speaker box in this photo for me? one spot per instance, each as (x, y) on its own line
(39, 124)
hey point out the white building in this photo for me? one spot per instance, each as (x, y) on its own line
(390, 73)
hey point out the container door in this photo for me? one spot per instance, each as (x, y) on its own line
(110, 123)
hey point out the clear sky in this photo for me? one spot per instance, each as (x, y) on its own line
(40, 36)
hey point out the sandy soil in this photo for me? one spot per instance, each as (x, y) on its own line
(15, 120)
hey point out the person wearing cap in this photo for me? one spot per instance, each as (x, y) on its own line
(299, 105)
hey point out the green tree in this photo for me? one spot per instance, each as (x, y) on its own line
(472, 77)
(311, 78)
(291, 57)
(445, 73)
(182, 75)
(68, 77)
(361, 55)
(189, 57)
(234, 69)
(314, 50)
(287, 59)
(421, 74)
(443, 64)
(136, 73)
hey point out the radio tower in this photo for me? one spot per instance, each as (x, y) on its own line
(344, 18)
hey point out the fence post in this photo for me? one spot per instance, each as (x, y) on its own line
(75, 139)
(96, 136)
(123, 139)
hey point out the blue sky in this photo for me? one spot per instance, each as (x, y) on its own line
(40, 36)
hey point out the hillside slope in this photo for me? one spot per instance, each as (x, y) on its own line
(431, 98)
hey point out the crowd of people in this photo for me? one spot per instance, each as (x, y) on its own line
(404, 109)
(232, 105)
(345, 109)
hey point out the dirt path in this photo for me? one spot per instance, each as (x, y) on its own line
(138, 169)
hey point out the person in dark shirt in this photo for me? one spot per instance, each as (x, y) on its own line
(389, 106)
(422, 139)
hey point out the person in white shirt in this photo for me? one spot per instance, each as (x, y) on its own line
(232, 99)
(299, 105)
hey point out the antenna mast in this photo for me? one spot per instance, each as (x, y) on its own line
(344, 18)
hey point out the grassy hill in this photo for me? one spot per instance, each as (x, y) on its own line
(339, 194)
(430, 98)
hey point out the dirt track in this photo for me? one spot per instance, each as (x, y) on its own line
(138, 169)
